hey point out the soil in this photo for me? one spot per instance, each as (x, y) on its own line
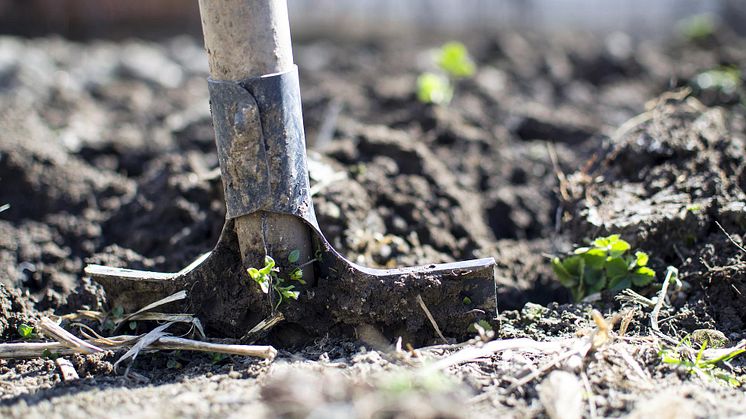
(107, 156)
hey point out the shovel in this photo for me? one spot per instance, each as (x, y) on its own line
(256, 110)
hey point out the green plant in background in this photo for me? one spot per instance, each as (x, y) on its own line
(268, 277)
(606, 265)
(25, 331)
(725, 79)
(698, 27)
(434, 88)
(684, 356)
(454, 63)
(454, 59)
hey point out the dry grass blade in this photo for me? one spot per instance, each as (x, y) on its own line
(713, 354)
(33, 350)
(66, 338)
(143, 343)
(39, 349)
(431, 318)
(174, 343)
(262, 328)
(170, 299)
(659, 304)
(739, 246)
(170, 317)
(85, 314)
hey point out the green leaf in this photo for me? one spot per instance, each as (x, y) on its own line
(640, 259)
(46, 353)
(619, 283)
(618, 247)
(643, 276)
(565, 277)
(434, 88)
(254, 273)
(133, 325)
(581, 250)
(641, 280)
(269, 263)
(294, 256)
(601, 242)
(466, 301)
(581, 271)
(595, 280)
(264, 285)
(606, 242)
(616, 267)
(287, 292)
(574, 265)
(117, 312)
(25, 331)
(645, 271)
(454, 59)
(595, 258)
(297, 275)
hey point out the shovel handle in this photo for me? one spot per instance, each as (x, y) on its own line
(246, 38)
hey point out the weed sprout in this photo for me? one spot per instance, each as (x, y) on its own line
(606, 265)
(453, 63)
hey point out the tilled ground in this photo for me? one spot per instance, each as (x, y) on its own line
(107, 155)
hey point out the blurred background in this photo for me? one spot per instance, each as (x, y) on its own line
(147, 18)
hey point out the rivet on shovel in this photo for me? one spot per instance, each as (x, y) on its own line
(256, 110)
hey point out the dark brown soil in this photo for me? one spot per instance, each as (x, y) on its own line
(107, 156)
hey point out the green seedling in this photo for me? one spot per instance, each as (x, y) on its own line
(434, 88)
(454, 59)
(217, 357)
(725, 79)
(46, 353)
(268, 278)
(25, 331)
(454, 63)
(695, 362)
(698, 27)
(606, 265)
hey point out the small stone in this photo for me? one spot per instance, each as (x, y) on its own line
(562, 395)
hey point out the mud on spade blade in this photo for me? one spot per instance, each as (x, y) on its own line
(261, 149)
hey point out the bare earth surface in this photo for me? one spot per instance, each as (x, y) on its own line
(107, 156)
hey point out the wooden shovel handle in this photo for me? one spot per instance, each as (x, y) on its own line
(246, 38)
